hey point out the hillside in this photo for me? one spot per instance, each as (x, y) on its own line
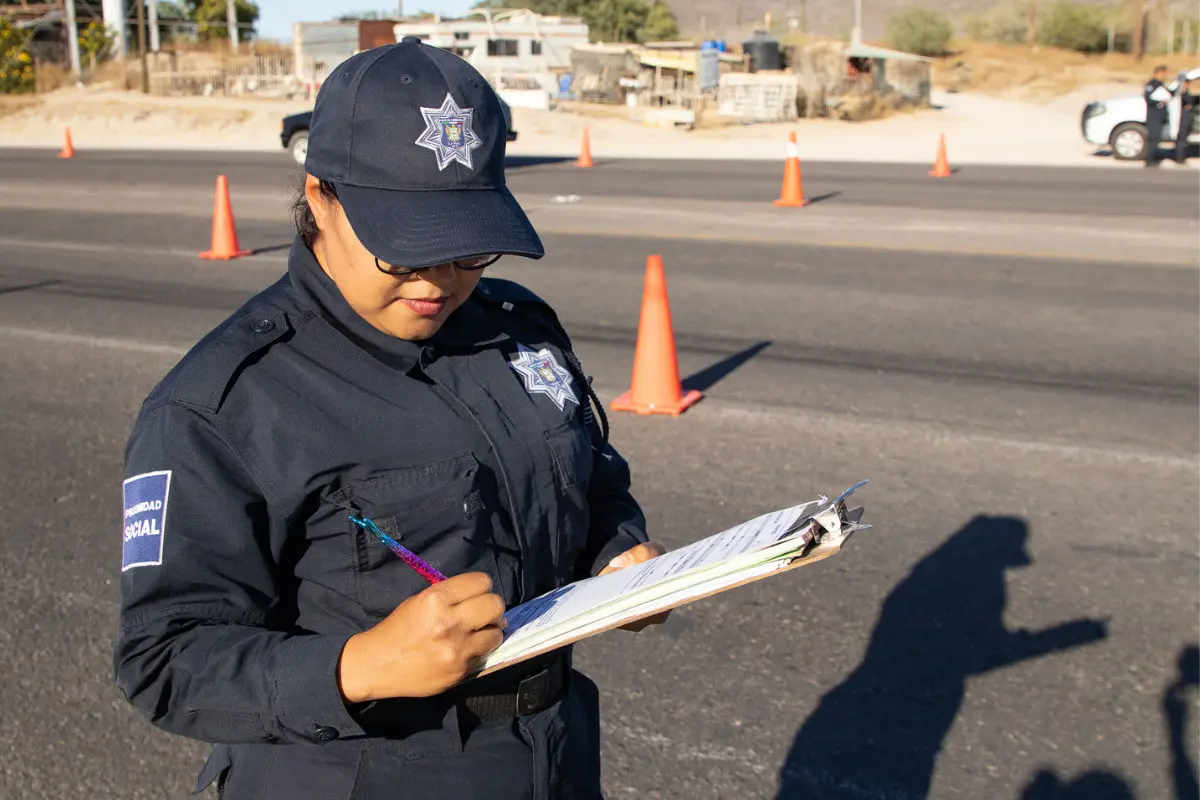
(735, 18)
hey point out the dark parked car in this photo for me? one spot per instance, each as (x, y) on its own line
(295, 132)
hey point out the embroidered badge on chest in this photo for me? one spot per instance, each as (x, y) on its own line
(542, 374)
(449, 133)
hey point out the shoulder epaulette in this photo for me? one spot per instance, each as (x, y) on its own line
(498, 290)
(204, 376)
(511, 294)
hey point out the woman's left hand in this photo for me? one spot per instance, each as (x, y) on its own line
(636, 555)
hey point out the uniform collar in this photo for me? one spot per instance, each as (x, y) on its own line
(468, 327)
(320, 292)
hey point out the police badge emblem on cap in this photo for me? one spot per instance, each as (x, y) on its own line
(449, 133)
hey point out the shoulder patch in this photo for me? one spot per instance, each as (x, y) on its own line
(206, 372)
(145, 506)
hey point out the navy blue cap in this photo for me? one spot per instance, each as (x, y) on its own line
(413, 139)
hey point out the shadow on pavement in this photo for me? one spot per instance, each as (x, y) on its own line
(823, 197)
(1094, 785)
(1175, 711)
(706, 378)
(517, 162)
(878, 734)
(274, 248)
(28, 287)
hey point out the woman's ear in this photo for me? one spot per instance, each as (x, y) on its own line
(317, 203)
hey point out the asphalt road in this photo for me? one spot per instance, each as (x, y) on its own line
(1168, 193)
(1011, 628)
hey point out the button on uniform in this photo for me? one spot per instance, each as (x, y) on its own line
(326, 733)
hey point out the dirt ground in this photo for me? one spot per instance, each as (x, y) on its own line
(1015, 72)
(995, 104)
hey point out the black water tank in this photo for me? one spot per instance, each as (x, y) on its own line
(763, 51)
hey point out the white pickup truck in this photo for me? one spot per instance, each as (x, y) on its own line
(1120, 123)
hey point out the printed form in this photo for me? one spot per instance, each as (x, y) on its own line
(742, 553)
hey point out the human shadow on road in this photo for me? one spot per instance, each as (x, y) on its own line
(1175, 711)
(1093, 785)
(519, 162)
(706, 378)
(878, 734)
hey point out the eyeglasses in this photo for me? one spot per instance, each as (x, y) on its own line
(470, 264)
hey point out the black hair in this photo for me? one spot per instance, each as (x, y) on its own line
(1160, 68)
(306, 223)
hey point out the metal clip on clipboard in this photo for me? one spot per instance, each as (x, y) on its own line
(830, 523)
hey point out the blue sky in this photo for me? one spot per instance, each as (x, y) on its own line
(276, 16)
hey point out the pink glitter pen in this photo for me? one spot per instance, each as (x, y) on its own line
(420, 565)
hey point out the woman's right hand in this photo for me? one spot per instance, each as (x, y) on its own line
(427, 645)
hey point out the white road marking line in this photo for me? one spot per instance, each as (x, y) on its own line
(820, 421)
(105, 343)
(83, 247)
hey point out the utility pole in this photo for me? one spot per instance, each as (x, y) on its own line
(399, 9)
(73, 39)
(231, 20)
(856, 34)
(155, 44)
(1032, 32)
(1139, 30)
(141, 23)
(114, 18)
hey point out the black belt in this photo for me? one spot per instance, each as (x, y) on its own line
(527, 696)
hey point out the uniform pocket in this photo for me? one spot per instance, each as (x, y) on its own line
(571, 452)
(292, 772)
(437, 510)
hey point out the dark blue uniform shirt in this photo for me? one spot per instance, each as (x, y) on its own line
(243, 577)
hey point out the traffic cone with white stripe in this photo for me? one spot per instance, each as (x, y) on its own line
(792, 194)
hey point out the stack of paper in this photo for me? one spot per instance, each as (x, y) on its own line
(774, 542)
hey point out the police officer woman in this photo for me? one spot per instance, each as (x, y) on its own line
(380, 378)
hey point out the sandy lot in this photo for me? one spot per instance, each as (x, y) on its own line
(980, 129)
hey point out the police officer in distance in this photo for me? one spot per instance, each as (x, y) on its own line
(1157, 97)
(380, 378)
(1188, 102)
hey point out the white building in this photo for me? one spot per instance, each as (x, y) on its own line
(518, 41)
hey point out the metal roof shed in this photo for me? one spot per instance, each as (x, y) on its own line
(907, 74)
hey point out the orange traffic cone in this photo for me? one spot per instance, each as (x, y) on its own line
(68, 150)
(224, 234)
(941, 167)
(656, 388)
(792, 195)
(585, 153)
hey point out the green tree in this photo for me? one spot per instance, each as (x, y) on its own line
(16, 65)
(211, 21)
(920, 31)
(95, 40)
(661, 25)
(1073, 27)
(367, 16)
